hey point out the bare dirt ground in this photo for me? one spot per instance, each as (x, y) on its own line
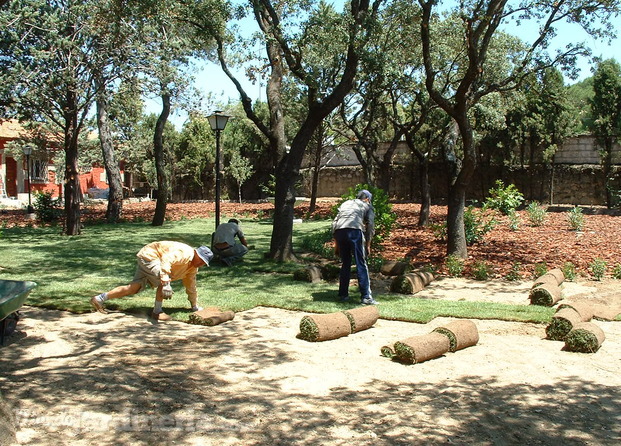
(119, 379)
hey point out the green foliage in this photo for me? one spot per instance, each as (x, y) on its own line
(47, 208)
(540, 269)
(504, 198)
(514, 220)
(385, 218)
(515, 272)
(454, 265)
(481, 270)
(319, 243)
(575, 217)
(536, 213)
(477, 224)
(569, 271)
(598, 268)
(269, 187)
(616, 271)
(240, 169)
(439, 231)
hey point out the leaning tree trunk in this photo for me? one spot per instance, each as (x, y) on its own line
(72, 173)
(316, 169)
(160, 163)
(113, 173)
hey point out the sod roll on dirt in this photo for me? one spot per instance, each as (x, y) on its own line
(562, 323)
(586, 337)
(388, 351)
(362, 318)
(546, 294)
(461, 334)
(324, 327)
(584, 309)
(210, 317)
(417, 349)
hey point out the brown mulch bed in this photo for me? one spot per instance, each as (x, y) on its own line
(553, 243)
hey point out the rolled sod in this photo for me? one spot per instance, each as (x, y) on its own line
(546, 295)
(411, 283)
(546, 279)
(421, 348)
(585, 310)
(461, 334)
(554, 276)
(562, 323)
(388, 351)
(324, 327)
(586, 337)
(393, 268)
(210, 317)
(362, 318)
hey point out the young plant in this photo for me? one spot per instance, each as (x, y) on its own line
(514, 220)
(476, 225)
(536, 213)
(616, 271)
(504, 198)
(598, 268)
(454, 265)
(481, 270)
(515, 272)
(569, 271)
(540, 269)
(575, 218)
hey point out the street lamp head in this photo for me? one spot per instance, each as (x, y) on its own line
(218, 120)
(27, 149)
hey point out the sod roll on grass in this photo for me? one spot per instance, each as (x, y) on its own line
(584, 309)
(562, 323)
(546, 294)
(210, 317)
(417, 349)
(586, 337)
(324, 327)
(362, 318)
(461, 334)
(411, 283)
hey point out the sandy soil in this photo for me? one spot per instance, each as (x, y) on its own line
(121, 379)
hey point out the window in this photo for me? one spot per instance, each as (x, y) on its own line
(38, 170)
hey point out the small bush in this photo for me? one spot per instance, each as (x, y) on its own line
(319, 243)
(476, 225)
(536, 213)
(569, 271)
(514, 220)
(575, 218)
(439, 231)
(504, 198)
(48, 209)
(616, 272)
(540, 269)
(481, 270)
(598, 268)
(454, 265)
(515, 272)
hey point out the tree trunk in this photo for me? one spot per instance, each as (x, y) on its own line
(72, 172)
(316, 170)
(607, 167)
(425, 192)
(113, 173)
(160, 163)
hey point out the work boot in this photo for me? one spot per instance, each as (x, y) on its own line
(162, 317)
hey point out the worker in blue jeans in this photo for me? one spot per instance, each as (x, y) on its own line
(353, 229)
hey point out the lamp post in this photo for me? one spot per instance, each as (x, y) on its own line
(27, 149)
(218, 121)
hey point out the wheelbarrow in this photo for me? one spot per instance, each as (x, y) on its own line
(13, 293)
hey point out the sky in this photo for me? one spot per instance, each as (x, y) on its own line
(211, 80)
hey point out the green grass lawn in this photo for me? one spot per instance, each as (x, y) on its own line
(70, 270)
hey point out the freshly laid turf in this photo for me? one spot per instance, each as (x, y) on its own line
(70, 270)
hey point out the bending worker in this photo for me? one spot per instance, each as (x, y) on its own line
(353, 229)
(158, 264)
(224, 244)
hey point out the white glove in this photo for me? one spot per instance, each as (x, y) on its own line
(167, 291)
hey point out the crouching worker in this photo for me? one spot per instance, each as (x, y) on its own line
(158, 264)
(224, 244)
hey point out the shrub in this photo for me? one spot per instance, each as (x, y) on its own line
(514, 220)
(476, 225)
(385, 218)
(481, 270)
(575, 217)
(536, 213)
(569, 271)
(47, 208)
(616, 272)
(454, 265)
(504, 198)
(319, 243)
(598, 268)
(514, 273)
(439, 231)
(540, 269)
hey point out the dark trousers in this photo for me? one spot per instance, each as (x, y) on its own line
(351, 243)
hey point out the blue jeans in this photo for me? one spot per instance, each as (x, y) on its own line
(351, 242)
